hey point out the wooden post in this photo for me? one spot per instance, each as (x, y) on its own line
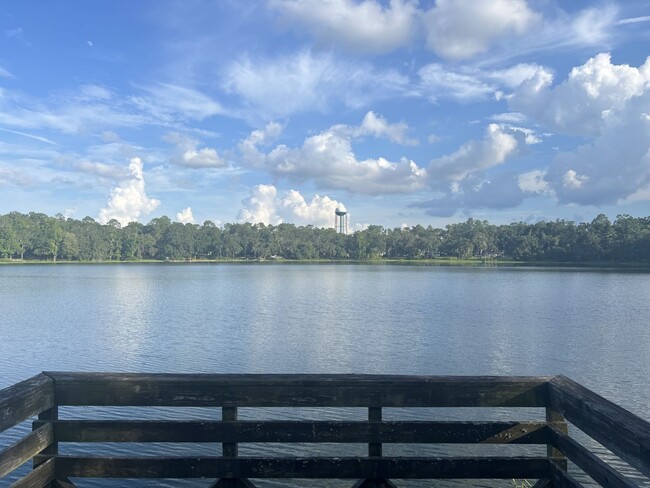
(229, 414)
(374, 415)
(555, 454)
(556, 416)
(230, 449)
(374, 450)
(52, 449)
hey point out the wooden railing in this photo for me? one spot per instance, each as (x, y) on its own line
(625, 434)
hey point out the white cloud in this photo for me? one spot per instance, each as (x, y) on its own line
(30, 136)
(573, 180)
(15, 176)
(467, 83)
(497, 192)
(103, 170)
(128, 200)
(305, 82)
(580, 104)
(328, 160)
(4, 73)
(185, 216)
(377, 126)
(265, 205)
(364, 27)
(509, 117)
(634, 20)
(438, 81)
(533, 182)
(611, 168)
(190, 155)
(166, 102)
(77, 112)
(434, 138)
(606, 103)
(499, 144)
(460, 29)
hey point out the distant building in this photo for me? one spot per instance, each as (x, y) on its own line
(341, 219)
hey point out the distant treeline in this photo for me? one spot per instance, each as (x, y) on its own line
(36, 236)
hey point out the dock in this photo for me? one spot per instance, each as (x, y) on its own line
(565, 407)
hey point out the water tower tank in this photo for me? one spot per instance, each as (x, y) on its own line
(341, 219)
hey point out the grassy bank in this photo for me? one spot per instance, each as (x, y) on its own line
(441, 261)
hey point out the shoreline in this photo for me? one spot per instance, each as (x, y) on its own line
(437, 262)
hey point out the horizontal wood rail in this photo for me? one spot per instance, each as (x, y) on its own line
(625, 434)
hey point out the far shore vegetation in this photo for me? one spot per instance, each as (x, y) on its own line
(36, 237)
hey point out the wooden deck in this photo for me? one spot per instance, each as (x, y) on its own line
(564, 401)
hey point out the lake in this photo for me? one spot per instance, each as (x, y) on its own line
(591, 325)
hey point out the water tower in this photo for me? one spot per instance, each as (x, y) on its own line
(341, 219)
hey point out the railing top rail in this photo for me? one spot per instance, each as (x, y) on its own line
(270, 390)
(266, 379)
(25, 399)
(620, 431)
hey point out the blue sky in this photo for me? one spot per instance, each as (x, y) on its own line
(406, 112)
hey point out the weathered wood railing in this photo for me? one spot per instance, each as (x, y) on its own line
(625, 434)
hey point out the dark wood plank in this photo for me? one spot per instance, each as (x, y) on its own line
(49, 415)
(298, 390)
(232, 483)
(25, 449)
(374, 484)
(37, 478)
(620, 431)
(229, 414)
(415, 432)
(561, 479)
(374, 415)
(25, 399)
(333, 468)
(601, 472)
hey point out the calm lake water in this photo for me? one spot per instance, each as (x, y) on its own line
(591, 325)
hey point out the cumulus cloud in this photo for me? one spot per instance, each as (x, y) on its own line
(607, 103)
(265, 205)
(128, 200)
(581, 103)
(185, 216)
(499, 144)
(328, 160)
(533, 182)
(363, 27)
(463, 180)
(377, 126)
(612, 167)
(498, 191)
(460, 29)
(306, 81)
(189, 154)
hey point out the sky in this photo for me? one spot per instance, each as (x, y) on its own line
(274, 111)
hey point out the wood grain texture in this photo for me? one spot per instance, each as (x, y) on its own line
(413, 432)
(37, 478)
(304, 467)
(107, 389)
(25, 449)
(619, 430)
(25, 399)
